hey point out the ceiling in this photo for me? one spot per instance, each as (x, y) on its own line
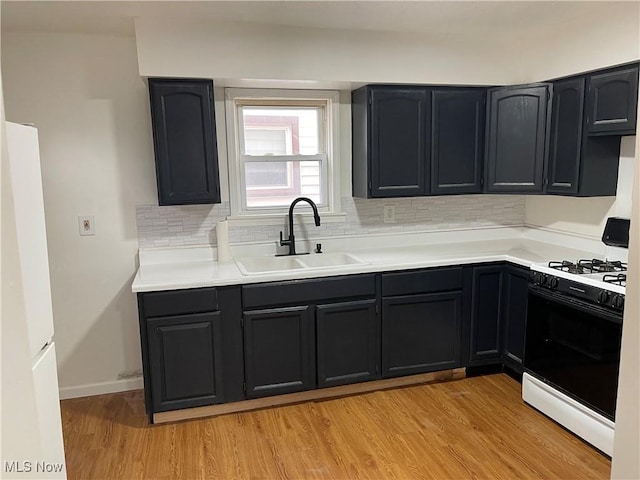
(454, 17)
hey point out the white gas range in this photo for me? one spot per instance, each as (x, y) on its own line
(572, 351)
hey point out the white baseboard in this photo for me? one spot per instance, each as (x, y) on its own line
(101, 388)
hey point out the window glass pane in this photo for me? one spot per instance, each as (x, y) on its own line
(262, 175)
(279, 183)
(281, 130)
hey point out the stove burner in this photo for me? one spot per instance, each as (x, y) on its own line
(617, 279)
(601, 266)
(566, 266)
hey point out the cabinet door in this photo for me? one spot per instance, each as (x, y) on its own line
(566, 136)
(457, 140)
(184, 136)
(185, 358)
(398, 142)
(613, 102)
(278, 351)
(348, 342)
(516, 291)
(486, 300)
(516, 139)
(420, 333)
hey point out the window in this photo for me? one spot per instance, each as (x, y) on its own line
(281, 146)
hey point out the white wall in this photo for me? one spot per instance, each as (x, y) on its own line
(590, 42)
(85, 95)
(626, 461)
(244, 51)
(586, 216)
(586, 44)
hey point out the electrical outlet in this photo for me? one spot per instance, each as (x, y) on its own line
(389, 215)
(87, 225)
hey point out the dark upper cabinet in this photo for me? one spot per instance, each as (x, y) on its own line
(348, 342)
(185, 351)
(390, 141)
(612, 101)
(566, 136)
(184, 136)
(514, 319)
(486, 300)
(279, 354)
(579, 165)
(457, 140)
(517, 119)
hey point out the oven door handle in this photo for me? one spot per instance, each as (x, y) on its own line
(583, 306)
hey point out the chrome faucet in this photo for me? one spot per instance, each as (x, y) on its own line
(291, 241)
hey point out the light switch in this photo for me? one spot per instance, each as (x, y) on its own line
(87, 225)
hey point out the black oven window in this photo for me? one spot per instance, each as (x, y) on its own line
(576, 351)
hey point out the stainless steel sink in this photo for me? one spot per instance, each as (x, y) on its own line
(262, 265)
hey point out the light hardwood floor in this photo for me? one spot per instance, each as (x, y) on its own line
(471, 428)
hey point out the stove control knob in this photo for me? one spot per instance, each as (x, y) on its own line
(603, 296)
(553, 283)
(618, 301)
(542, 279)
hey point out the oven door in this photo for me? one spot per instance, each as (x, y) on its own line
(574, 346)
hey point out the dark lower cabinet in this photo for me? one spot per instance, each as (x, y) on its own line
(517, 119)
(421, 333)
(516, 292)
(185, 351)
(612, 101)
(498, 315)
(184, 137)
(348, 342)
(212, 345)
(486, 315)
(279, 351)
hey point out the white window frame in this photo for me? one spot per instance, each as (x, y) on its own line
(329, 99)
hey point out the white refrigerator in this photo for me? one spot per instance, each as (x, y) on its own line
(28, 203)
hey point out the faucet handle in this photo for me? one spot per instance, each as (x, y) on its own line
(284, 242)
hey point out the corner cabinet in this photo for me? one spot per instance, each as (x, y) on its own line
(612, 101)
(499, 294)
(579, 164)
(184, 137)
(517, 119)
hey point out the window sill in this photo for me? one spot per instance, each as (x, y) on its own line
(282, 218)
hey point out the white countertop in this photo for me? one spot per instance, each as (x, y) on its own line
(193, 268)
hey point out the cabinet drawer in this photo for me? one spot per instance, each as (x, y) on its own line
(176, 302)
(422, 281)
(307, 291)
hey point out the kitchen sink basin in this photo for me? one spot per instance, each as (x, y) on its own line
(258, 265)
(262, 265)
(324, 260)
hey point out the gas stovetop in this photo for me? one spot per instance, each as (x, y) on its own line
(599, 281)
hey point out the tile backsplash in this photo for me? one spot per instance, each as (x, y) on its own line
(195, 224)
